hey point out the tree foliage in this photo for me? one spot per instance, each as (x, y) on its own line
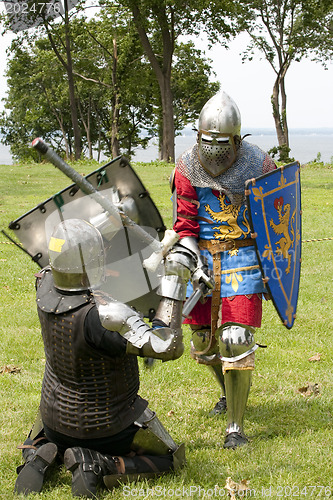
(286, 31)
(116, 94)
(160, 26)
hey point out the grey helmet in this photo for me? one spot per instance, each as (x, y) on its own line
(76, 255)
(219, 128)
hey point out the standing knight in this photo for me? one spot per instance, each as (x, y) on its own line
(211, 219)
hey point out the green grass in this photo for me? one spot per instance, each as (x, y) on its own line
(291, 434)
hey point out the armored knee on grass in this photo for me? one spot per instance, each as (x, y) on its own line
(154, 453)
(153, 439)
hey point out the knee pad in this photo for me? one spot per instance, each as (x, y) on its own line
(203, 342)
(237, 346)
(153, 439)
(151, 436)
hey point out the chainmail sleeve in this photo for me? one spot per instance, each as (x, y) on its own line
(268, 165)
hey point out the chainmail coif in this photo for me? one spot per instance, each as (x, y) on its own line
(251, 162)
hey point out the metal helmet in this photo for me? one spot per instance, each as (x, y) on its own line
(218, 133)
(76, 254)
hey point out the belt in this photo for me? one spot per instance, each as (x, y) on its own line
(215, 247)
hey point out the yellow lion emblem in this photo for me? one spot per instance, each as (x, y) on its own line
(227, 217)
(283, 244)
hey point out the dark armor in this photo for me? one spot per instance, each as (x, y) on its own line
(84, 393)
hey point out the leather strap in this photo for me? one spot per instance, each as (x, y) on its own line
(150, 463)
(215, 247)
(191, 200)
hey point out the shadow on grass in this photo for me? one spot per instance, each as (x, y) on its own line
(290, 418)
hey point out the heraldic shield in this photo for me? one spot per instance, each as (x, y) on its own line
(274, 203)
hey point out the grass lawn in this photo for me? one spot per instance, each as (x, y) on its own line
(289, 417)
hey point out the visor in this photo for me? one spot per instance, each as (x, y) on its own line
(217, 151)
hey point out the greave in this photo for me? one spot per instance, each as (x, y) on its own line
(218, 374)
(139, 467)
(237, 346)
(237, 387)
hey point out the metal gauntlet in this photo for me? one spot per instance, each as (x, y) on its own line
(162, 343)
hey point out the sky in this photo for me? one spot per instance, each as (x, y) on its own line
(309, 86)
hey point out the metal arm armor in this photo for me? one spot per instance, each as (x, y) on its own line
(179, 265)
(201, 273)
(162, 343)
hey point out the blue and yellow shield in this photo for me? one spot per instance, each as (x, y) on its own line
(274, 203)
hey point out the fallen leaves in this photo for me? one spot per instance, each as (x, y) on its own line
(315, 357)
(234, 488)
(309, 390)
(9, 369)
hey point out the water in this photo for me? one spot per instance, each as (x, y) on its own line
(5, 156)
(305, 145)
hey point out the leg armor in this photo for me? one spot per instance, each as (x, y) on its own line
(153, 439)
(221, 406)
(203, 343)
(204, 349)
(237, 348)
(154, 453)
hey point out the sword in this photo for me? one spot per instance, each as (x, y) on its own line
(160, 248)
(194, 298)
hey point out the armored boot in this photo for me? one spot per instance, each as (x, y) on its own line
(38, 455)
(90, 468)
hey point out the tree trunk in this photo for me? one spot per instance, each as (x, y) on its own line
(167, 149)
(284, 111)
(64, 137)
(163, 74)
(68, 65)
(86, 124)
(115, 106)
(279, 116)
(71, 88)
